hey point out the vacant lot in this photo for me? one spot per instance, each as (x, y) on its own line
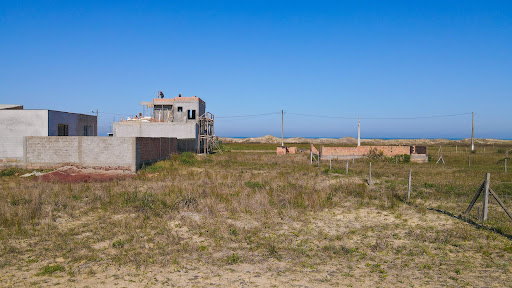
(256, 219)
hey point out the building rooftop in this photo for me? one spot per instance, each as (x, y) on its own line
(10, 107)
(177, 99)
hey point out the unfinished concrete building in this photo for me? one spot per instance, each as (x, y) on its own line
(184, 118)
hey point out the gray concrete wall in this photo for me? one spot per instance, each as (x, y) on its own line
(19, 123)
(111, 153)
(11, 151)
(152, 129)
(104, 152)
(75, 122)
(182, 117)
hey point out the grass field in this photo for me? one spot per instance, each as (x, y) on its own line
(257, 219)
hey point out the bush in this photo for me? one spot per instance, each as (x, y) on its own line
(50, 269)
(9, 172)
(188, 158)
(254, 185)
(375, 154)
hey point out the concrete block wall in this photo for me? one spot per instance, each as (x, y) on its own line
(343, 152)
(187, 145)
(103, 152)
(149, 150)
(119, 153)
(11, 151)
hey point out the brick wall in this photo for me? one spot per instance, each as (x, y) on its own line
(280, 150)
(364, 150)
(154, 149)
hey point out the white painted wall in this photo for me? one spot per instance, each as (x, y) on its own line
(140, 129)
(18, 123)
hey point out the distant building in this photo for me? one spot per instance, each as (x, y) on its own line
(182, 117)
(17, 123)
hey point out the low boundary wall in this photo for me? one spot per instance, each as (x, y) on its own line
(110, 153)
(361, 151)
(12, 151)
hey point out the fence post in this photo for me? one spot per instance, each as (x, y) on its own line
(346, 169)
(409, 187)
(311, 157)
(505, 165)
(330, 165)
(469, 161)
(370, 181)
(486, 196)
(455, 149)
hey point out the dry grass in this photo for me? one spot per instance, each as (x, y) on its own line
(253, 219)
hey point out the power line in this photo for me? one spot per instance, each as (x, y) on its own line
(246, 116)
(380, 118)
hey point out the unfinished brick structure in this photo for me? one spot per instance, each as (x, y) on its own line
(361, 151)
(418, 153)
(283, 150)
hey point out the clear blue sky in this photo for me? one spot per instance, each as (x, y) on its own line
(372, 59)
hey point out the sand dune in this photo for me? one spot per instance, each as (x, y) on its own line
(352, 141)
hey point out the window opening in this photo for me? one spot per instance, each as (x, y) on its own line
(62, 130)
(191, 114)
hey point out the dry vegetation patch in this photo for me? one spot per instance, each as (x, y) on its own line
(254, 219)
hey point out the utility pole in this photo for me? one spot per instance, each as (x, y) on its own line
(96, 121)
(358, 132)
(282, 128)
(473, 133)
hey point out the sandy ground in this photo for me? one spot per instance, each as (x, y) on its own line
(362, 227)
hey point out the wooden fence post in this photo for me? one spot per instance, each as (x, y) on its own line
(370, 181)
(409, 187)
(469, 161)
(485, 207)
(346, 169)
(330, 165)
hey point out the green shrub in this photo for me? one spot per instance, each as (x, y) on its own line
(118, 243)
(233, 259)
(254, 185)
(188, 158)
(50, 269)
(9, 172)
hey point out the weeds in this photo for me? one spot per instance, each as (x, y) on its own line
(262, 209)
(51, 269)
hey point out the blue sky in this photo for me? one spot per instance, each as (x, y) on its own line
(368, 59)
